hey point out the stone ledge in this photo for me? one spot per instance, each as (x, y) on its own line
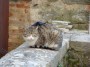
(80, 36)
(31, 57)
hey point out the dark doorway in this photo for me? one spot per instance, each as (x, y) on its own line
(4, 18)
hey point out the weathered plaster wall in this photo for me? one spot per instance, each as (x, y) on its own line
(19, 16)
(57, 10)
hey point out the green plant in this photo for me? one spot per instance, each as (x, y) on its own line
(74, 58)
(60, 65)
(52, 0)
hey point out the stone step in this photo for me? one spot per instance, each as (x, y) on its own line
(64, 26)
(64, 29)
(60, 22)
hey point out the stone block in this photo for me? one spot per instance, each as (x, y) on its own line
(69, 27)
(80, 38)
(24, 56)
(60, 22)
(64, 29)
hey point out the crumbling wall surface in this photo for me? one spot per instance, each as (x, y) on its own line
(48, 10)
(19, 16)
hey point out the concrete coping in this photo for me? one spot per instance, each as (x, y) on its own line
(23, 56)
(78, 36)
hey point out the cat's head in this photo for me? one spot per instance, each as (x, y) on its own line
(30, 33)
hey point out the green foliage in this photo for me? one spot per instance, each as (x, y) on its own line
(60, 65)
(50, 12)
(74, 58)
(52, 0)
(67, 16)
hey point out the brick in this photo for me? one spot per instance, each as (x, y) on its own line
(18, 12)
(10, 14)
(21, 5)
(12, 4)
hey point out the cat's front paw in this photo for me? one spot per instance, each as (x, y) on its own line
(53, 47)
(32, 46)
(36, 46)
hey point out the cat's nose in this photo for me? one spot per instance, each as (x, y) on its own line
(30, 37)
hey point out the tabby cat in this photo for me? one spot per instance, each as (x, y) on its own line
(47, 36)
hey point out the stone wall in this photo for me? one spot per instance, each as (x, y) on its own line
(24, 56)
(19, 16)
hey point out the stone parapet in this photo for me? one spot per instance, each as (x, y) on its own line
(24, 56)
